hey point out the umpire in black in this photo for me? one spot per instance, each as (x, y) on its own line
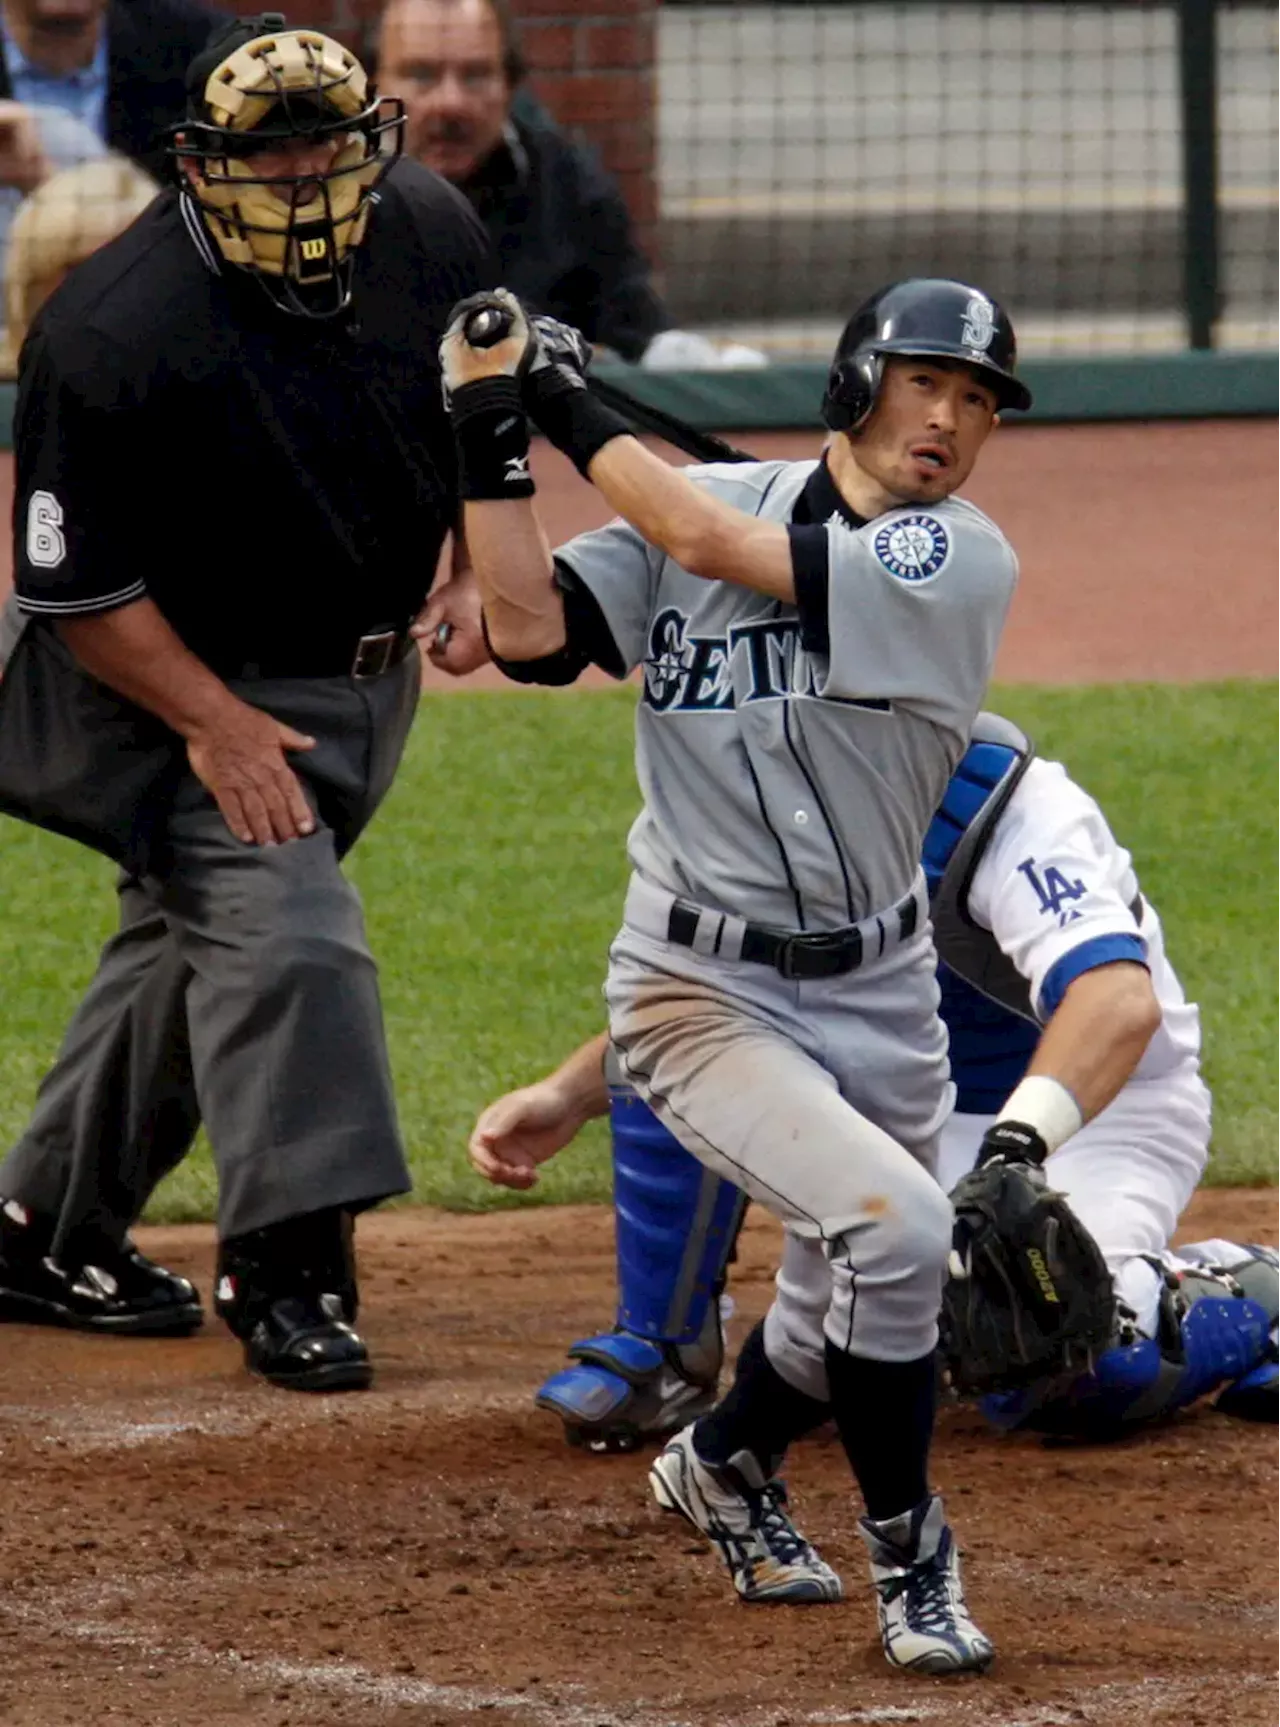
(234, 480)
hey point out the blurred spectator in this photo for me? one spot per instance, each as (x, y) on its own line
(557, 220)
(58, 226)
(116, 66)
(81, 77)
(36, 142)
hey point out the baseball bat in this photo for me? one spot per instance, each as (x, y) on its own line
(484, 329)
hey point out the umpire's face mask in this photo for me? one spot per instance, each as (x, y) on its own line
(284, 167)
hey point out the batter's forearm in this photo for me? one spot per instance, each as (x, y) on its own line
(1098, 1034)
(137, 652)
(523, 608)
(700, 533)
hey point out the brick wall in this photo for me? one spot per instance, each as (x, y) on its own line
(591, 64)
(344, 19)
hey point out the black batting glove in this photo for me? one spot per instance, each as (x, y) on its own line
(503, 351)
(554, 390)
(558, 346)
(1014, 1142)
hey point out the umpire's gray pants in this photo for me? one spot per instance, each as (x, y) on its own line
(239, 989)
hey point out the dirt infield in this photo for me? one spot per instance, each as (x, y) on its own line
(183, 1548)
(1147, 551)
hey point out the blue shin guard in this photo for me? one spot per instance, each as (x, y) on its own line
(1214, 1331)
(676, 1224)
(1255, 1395)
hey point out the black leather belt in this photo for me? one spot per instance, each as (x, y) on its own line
(377, 653)
(801, 957)
(370, 657)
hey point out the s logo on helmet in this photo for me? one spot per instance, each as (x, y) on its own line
(979, 324)
(913, 548)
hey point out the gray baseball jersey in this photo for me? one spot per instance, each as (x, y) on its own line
(786, 781)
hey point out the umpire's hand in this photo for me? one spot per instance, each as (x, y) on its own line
(240, 759)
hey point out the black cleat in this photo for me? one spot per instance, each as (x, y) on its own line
(102, 1287)
(303, 1344)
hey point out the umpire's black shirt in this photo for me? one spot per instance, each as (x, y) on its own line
(278, 486)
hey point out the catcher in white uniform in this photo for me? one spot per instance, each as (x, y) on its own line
(1034, 902)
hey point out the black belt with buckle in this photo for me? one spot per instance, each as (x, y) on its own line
(377, 653)
(370, 657)
(800, 957)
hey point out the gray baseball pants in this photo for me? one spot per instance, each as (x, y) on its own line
(823, 1100)
(239, 990)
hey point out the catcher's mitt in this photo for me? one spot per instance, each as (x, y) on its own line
(1029, 1298)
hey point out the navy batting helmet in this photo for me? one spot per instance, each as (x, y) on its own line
(929, 317)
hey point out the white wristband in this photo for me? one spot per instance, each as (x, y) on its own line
(1047, 1106)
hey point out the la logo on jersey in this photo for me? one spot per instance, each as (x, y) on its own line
(914, 548)
(1053, 890)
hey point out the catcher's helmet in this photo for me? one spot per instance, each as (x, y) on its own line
(929, 317)
(255, 87)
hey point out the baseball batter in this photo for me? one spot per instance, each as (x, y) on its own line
(1034, 901)
(816, 639)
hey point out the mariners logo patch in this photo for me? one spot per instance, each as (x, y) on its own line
(913, 548)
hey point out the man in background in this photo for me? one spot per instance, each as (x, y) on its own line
(117, 66)
(556, 220)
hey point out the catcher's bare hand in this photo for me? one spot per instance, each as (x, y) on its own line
(520, 1131)
(240, 760)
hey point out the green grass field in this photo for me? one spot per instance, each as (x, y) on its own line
(493, 879)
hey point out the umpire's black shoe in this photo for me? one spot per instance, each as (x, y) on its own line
(289, 1293)
(97, 1286)
(304, 1344)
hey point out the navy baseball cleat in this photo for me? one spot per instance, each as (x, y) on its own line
(924, 1623)
(98, 1285)
(768, 1558)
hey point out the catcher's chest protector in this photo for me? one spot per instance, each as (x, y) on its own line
(977, 793)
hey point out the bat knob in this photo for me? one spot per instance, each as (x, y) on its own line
(485, 329)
